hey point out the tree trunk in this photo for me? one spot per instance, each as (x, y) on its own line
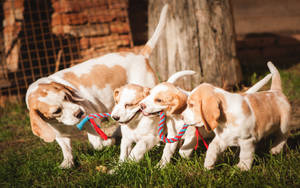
(199, 35)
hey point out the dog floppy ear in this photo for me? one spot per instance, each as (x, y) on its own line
(210, 110)
(71, 93)
(40, 128)
(178, 103)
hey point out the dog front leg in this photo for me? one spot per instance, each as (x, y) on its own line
(125, 149)
(214, 149)
(65, 144)
(141, 148)
(246, 154)
(167, 154)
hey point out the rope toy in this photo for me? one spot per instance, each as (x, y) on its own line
(162, 120)
(90, 118)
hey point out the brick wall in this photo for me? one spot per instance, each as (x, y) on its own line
(102, 26)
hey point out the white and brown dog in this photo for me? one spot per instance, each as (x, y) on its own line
(172, 100)
(135, 127)
(56, 103)
(240, 119)
(166, 97)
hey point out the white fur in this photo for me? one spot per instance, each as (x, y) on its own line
(95, 98)
(141, 129)
(174, 123)
(241, 131)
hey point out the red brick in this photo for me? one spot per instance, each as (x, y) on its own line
(119, 27)
(16, 4)
(65, 6)
(90, 30)
(118, 4)
(84, 43)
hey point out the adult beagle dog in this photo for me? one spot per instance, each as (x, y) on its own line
(171, 99)
(240, 119)
(135, 127)
(58, 102)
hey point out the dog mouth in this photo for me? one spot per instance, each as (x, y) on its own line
(151, 113)
(126, 122)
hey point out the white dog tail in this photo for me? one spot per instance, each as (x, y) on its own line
(146, 51)
(174, 77)
(276, 81)
(259, 84)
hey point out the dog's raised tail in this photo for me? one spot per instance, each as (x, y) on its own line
(146, 51)
(174, 77)
(276, 81)
(259, 84)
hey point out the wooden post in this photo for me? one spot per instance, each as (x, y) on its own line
(199, 35)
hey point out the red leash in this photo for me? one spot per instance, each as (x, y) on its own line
(197, 133)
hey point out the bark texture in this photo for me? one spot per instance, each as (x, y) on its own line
(199, 35)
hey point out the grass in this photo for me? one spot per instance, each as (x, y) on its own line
(25, 160)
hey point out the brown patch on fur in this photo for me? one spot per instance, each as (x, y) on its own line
(100, 76)
(173, 98)
(146, 51)
(266, 110)
(38, 126)
(141, 93)
(206, 104)
(246, 109)
(149, 69)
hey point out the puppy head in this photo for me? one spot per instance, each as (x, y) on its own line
(164, 97)
(203, 105)
(53, 102)
(127, 100)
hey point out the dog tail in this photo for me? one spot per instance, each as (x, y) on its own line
(276, 81)
(259, 84)
(146, 51)
(174, 77)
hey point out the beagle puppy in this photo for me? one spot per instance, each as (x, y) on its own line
(240, 119)
(166, 97)
(58, 102)
(135, 127)
(172, 100)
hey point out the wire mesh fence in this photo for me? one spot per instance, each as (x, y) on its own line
(40, 37)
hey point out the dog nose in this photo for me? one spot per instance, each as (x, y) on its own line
(142, 106)
(116, 118)
(78, 114)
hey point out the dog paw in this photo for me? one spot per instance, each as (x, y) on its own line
(161, 164)
(66, 164)
(275, 150)
(109, 142)
(208, 167)
(243, 167)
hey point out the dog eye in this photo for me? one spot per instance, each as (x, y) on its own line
(158, 100)
(191, 105)
(58, 111)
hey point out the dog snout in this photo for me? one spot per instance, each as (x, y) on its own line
(79, 113)
(116, 118)
(142, 106)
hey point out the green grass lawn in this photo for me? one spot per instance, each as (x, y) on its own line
(25, 160)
